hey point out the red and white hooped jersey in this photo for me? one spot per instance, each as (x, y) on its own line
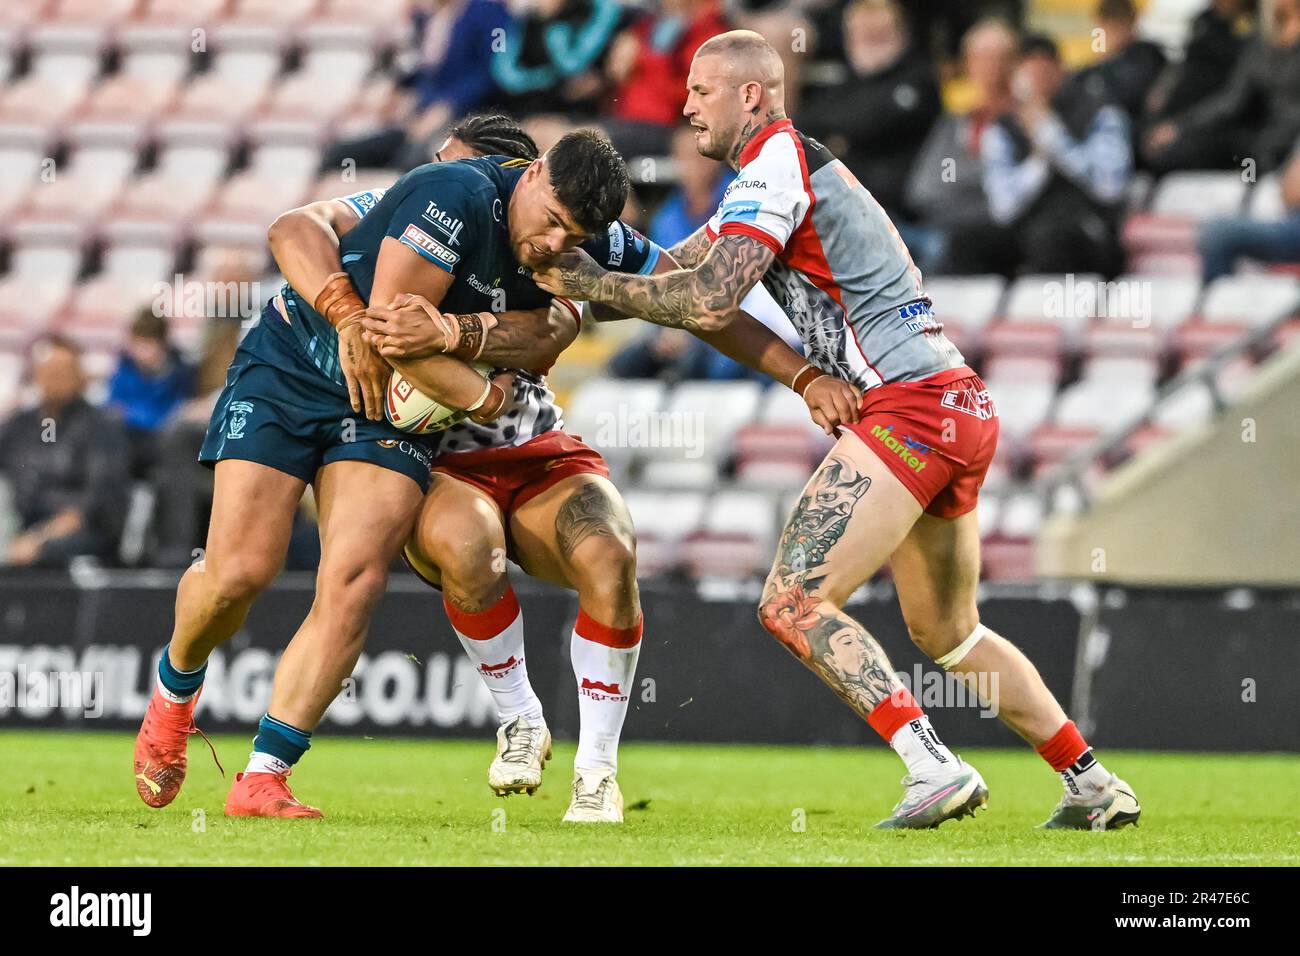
(842, 273)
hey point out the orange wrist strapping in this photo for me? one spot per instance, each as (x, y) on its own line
(339, 303)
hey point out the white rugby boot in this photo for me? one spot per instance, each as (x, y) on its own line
(522, 751)
(928, 803)
(1111, 808)
(596, 797)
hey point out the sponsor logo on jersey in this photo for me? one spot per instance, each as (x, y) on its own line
(743, 183)
(491, 290)
(615, 244)
(237, 419)
(903, 448)
(363, 202)
(448, 223)
(429, 247)
(740, 211)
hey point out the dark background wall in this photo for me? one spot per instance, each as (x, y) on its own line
(1193, 670)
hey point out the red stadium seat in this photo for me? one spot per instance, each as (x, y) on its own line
(28, 306)
(734, 556)
(245, 206)
(775, 456)
(120, 111)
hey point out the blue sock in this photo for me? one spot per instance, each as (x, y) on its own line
(282, 741)
(181, 685)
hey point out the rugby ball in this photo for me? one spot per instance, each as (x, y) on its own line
(409, 409)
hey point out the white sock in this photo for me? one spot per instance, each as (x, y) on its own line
(604, 674)
(925, 755)
(1085, 776)
(259, 762)
(499, 657)
(174, 698)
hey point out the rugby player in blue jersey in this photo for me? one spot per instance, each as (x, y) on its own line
(292, 415)
(529, 488)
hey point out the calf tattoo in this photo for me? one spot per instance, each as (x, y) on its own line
(833, 645)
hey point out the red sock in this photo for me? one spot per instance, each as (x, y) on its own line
(893, 712)
(1066, 746)
(590, 629)
(488, 623)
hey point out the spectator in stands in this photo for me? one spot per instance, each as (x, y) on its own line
(451, 77)
(1056, 168)
(555, 56)
(152, 379)
(63, 459)
(946, 185)
(648, 65)
(1223, 241)
(1257, 116)
(1212, 49)
(877, 120)
(1128, 67)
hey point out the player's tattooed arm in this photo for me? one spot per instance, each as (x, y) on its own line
(705, 297)
(843, 654)
(690, 252)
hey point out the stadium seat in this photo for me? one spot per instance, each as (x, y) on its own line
(1265, 200)
(1234, 305)
(1023, 390)
(28, 306)
(331, 186)
(19, 167)
(965, 305)
(775, 456)
(605, 412)
(1141, 314)
(1189, 406)
(120, 110)
(1007, 559)
(81, 190)
(662, 522)
(1199, 195)
(101, 310)
(245, 206)
(1104, 403)
(737, 538)
(700, 419)
(1022, 514)
(1044, 315)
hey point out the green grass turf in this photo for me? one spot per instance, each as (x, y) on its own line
(68, 799)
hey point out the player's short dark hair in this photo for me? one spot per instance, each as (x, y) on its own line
(494, 134)
(1040, 44)
(589, 178)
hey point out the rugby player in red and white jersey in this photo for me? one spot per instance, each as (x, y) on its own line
(528, 489)
(901, 485)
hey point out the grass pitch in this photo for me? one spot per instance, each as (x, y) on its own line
(68, 799)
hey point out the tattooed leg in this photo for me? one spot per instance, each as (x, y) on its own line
(850, 518)
(578, 534)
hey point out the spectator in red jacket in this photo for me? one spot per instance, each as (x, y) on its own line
(648, 64)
